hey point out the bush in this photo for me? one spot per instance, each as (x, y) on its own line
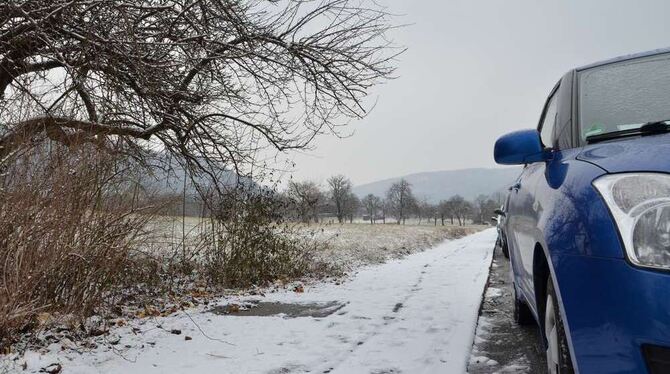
(67, 227)
(77, 235)
(253, 245)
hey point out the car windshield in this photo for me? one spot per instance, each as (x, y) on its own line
(624, 95)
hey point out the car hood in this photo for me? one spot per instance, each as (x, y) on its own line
(647, 153)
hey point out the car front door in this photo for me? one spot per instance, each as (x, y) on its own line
(525, 207)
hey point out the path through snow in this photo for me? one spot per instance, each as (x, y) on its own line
(415, 315)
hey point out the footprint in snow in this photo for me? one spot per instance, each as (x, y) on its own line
(386, 371)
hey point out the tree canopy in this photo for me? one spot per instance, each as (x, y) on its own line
(208, 81)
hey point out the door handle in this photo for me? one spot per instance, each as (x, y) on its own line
(516, 186)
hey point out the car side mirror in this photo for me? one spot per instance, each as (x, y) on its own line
(519, 147)
(499, 212)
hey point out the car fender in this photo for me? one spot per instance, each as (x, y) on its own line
(573, 220)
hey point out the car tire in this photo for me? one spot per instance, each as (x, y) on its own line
(557, 350)
(522, 313)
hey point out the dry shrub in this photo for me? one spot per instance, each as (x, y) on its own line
(253, 245)
(67, 226)
(75, 238)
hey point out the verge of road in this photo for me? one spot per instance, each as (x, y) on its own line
(411, 315)
(501, 345)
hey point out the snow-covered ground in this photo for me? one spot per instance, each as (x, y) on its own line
(341, 247)
(413, 315)
(350, 246)
(501, 346)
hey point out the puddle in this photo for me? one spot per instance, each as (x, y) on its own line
(266, 309)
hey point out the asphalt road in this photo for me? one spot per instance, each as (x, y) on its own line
(502, 346)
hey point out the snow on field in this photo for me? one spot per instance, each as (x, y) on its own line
(342, 246)
(414, 315)
(349, 246)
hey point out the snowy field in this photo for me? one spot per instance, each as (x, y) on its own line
(350, 246)
(344, 246)
(413, 315)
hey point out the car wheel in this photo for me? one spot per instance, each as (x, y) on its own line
(558, 353)
(522, 314)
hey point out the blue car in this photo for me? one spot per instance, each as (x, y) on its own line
(588, 221)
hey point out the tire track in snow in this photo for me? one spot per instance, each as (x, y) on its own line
(396, 323)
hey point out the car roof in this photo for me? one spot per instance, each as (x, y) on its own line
(626, 57)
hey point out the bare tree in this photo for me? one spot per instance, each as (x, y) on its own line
(460, 208)
(386, 206)
(210, 82)
(352, 205)
(306, 198)
(485, 206)
(466, 212)
(340, 191)
(424, 210)
(445, 211)
(429, 211)
(401, 200)
(372, 205)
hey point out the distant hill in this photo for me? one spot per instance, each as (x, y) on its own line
(169, 179)
(439, 185)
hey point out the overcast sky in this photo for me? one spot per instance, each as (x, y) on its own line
(474, 70)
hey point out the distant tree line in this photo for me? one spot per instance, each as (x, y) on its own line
(309, 202)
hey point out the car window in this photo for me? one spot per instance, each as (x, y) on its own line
(549, 121)
(624, 95)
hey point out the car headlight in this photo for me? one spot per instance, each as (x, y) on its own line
(640, 204)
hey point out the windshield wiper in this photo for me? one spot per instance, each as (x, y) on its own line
(649, 128)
